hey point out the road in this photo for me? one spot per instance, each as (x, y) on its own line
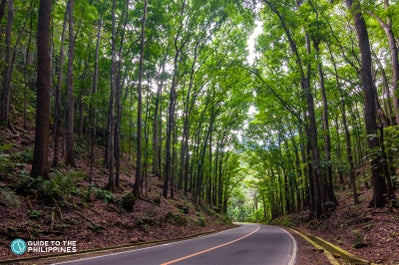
(250, 244)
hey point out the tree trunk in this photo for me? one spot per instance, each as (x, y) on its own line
(57, 103)
(352, 176)
(156, 137)
(69, 155)
(5, 96)
(172, 107)
(137, 183)
(329, 185)
(28, 63)
(378, 181)
(43, 84)
(118, 101)
(109, 154)
(393, 47)
(93, 122)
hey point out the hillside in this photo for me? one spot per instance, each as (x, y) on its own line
(65, 209)
(369, 233)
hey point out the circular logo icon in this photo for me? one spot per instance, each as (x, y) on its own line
(18, 246)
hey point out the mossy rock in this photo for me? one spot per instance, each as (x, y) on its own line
(10, 198)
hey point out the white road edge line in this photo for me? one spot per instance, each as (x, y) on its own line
(144, 248)
(294, 249)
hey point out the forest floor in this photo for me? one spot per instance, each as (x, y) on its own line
(94, 218)
(368, 233)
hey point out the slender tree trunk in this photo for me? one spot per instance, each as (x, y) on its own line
(93, 121)
(118, 100)
(387, 92)
(393, 47)
(156, 140)
(339, 153)
(137, 183)
(28, 63)
(57, 103)
(69, 155)
(352, 176)
(5, 96)
(145, 175)
(379, 186)
(109, 155)
(43, 84)
(329, 185)
(172, 107)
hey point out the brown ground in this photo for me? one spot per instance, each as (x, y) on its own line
(307, 254)
(371, 234)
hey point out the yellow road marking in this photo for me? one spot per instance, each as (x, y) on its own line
(210, 249)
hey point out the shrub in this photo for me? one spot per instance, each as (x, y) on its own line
(34, 214)
(104, 195)
(25, 156)
(184, 208)
(176, 219)
(201, 221)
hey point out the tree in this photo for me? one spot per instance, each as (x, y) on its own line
(57, 104)
(5, 99)
(137, 184)
(379, 185)
(70, 156)
(43, 84)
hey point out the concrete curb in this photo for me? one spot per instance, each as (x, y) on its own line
(332, 249)
(330, 257)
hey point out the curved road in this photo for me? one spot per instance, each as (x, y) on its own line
(250, 244)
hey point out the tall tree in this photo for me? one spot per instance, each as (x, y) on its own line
(311, 130)
(5, 96)
(179, 46)
(43, 84)
(60, 80)
(69, 155)
(109, 154)
(137, 184)
(370, 118)
(93, 102)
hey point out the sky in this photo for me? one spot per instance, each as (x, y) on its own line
(251, 41)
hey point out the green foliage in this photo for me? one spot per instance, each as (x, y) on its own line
(104, 195)
(35, 214)
(176, 219)
(25, 156)
(59, 186)
(6, 167)
(184, 208)
(10, 198)
(282, 221)
(144, 223)
(6, 147)
(201, 221)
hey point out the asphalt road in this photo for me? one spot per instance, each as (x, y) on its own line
(250, 244)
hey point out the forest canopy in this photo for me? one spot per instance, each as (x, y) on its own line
(169, 86)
